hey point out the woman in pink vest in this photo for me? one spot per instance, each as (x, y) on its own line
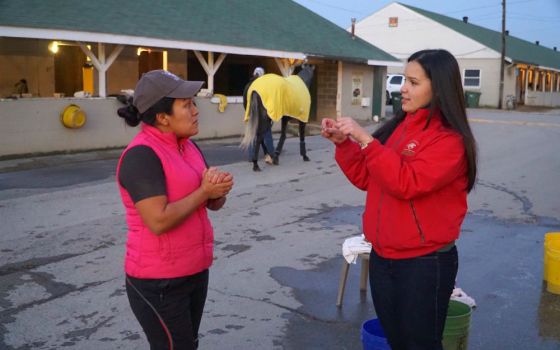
(166, 187)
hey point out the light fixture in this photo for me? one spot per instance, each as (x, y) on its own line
(53, 47)
(141, 49)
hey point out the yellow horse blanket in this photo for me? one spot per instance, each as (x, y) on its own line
(281, 97)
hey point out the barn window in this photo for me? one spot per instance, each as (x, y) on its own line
(471, 78)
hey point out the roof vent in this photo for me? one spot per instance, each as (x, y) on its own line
(353, 30)
(466, 19)
(537, 42)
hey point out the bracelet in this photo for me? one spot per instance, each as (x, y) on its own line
(365, 144)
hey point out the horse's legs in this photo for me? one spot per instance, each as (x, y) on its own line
(256, 149)
(302, 150)
(280, 144)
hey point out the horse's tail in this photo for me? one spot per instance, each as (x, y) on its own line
(252, 123)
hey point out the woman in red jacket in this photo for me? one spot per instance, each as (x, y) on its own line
(417, 170)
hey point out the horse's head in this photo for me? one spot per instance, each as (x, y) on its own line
(306, 73)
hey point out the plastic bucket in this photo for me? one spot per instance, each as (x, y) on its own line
(373, 337)
(457, 324)
(552, 262)
(550, 236)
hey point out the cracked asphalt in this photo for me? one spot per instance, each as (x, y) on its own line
(274, 280)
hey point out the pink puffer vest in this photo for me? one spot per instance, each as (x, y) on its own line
(185, 249)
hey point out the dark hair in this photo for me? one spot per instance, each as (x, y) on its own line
(133, 117)
(448, 97)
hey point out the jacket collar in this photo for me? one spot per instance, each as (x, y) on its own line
(420, 117)
(167, 138)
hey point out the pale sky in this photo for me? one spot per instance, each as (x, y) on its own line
(530, 20)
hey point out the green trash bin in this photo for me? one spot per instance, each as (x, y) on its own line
(457, 325)
(472, 98)
(396, 98)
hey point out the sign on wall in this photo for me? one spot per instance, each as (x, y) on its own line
(357, 88)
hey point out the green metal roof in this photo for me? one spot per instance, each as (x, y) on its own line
(280, 25)
(518, 50)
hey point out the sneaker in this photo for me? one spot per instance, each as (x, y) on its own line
(268, 159)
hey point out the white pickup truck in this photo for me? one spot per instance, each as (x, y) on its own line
(394, 83)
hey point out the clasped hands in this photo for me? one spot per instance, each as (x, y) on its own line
(216, 183)
(343, 127)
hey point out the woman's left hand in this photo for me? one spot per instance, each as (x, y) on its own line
(350, 127)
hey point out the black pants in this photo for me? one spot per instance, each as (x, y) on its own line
(411, 297)
(169, 310)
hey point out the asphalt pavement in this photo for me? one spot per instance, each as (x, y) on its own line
(278, 257)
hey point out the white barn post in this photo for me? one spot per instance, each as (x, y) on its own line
(101, 64)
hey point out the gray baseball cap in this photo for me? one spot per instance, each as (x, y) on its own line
(157, 84)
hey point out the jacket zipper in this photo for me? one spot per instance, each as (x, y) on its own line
(379, 219)
(394, 147)
(181, 151)
(422, 237)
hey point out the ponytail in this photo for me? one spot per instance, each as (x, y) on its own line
(133, 117)
(129, 113)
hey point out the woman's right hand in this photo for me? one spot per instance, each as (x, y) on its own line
(216, 183)
(331, 132)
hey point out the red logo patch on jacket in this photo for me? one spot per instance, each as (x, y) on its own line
(409, 149)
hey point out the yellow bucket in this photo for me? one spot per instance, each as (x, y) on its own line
(552, 262)
(73, 117)
(548, 237)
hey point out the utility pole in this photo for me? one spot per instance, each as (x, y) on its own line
(503, 56)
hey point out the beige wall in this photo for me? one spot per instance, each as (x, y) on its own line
(123, 73)
(366, 73)
(32, 126)
(510, 81)
(416, 32)
(489, 79)
(327, 76)
(31, 59)
(540, 98)
(26, 59)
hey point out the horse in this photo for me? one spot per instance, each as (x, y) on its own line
(274, 98)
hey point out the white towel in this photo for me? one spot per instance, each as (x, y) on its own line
(354, 246)
(459, 295)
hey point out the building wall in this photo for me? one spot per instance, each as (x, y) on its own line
(510, 81)
(540, 98)
(351, 106)
(415, 32)
(490, 80)
(26, 59)
(31, 59)
(32, 125)
(123, 73)
(327, 77)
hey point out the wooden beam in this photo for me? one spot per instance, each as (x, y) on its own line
(101, 64)
(210, 66)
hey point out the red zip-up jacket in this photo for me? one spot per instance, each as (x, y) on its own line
(416, 186)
